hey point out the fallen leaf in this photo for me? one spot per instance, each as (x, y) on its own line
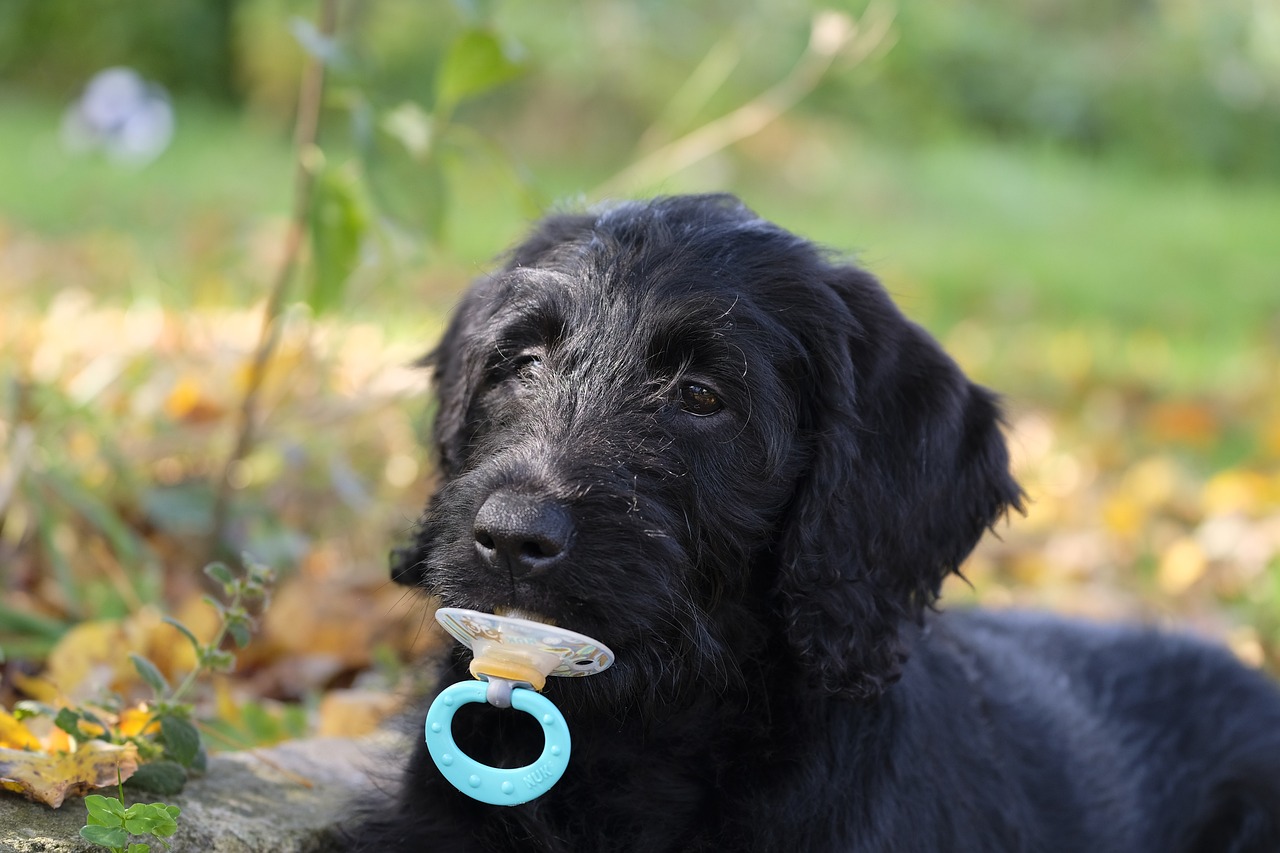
(188, 402)
(138, 721)
(13, 734)
(1188, 423)
(1181, 566)
(352, 712)
(1123, 516)
(1153, 481)
(94, 657)
(91, 658)
(50, 778)
(1235, 490)
(38, 688)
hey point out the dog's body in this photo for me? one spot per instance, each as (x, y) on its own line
(681, 430)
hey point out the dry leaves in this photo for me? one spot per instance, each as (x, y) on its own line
(1143, 502)
(50, 777)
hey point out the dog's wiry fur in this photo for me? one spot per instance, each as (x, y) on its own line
(764, 566)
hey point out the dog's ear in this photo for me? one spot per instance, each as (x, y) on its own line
(453, 375)
(907, 468)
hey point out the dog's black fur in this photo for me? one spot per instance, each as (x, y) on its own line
(684, 431)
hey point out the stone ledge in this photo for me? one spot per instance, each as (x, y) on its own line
(250, 802)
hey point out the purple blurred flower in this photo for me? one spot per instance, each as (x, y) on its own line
(127, 117)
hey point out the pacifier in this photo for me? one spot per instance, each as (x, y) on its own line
(513, 658)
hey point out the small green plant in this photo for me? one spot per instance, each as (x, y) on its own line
(169, 743)
(111, 824)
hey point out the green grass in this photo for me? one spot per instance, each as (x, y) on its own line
(1026, 242)
(1015, 235)
(218, 163)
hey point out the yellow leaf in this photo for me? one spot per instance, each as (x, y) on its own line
(57, 740)
(1188, 423)
(188, 402)
(14, 734)
(90, 658)
(228, 708)
(1153, 481)
(94, 656)
(1123, 515)
(1181, 566)
(137, 721)
(351, 713)
(1235, 491)
(50, 777)
(184, 397)
(40, 689)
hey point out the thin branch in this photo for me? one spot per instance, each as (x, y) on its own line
(305, 134)
(831, 36)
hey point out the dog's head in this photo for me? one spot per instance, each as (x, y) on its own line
(680, 429)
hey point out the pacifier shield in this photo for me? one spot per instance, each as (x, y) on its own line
(494, 785)
(550, 649)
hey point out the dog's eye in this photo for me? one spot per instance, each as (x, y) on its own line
(699, 400)
(519, 367)
(525, 363)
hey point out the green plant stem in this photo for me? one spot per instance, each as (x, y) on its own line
(832, 35)
(306, 132)
(189, 681)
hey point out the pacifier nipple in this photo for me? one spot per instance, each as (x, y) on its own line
(515, 656)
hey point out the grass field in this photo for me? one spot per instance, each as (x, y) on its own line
(1007, 237)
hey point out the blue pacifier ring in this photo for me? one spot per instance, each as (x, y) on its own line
(494, 785)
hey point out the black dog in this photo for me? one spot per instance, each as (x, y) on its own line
(686, 432)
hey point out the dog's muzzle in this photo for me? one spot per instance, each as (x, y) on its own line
(522, 535)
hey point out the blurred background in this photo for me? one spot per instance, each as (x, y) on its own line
(216, 213)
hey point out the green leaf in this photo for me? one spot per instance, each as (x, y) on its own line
(180, 738)
(69, 721)
(165, 820)
(338, 224)
(160, 777)
(105, 836)
(411, 126)
(150, 819)
(104, 811)
(28, 708)
(220, 573)
(14, 621)
(240, 633)
(138, 847)
(215, 604)
(402, 168)
(201, 762)
(260, 574)
(150, 674)
(217, 661)
(477, 62)
(185, 631)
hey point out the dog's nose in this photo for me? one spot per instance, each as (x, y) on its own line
(523, 534)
